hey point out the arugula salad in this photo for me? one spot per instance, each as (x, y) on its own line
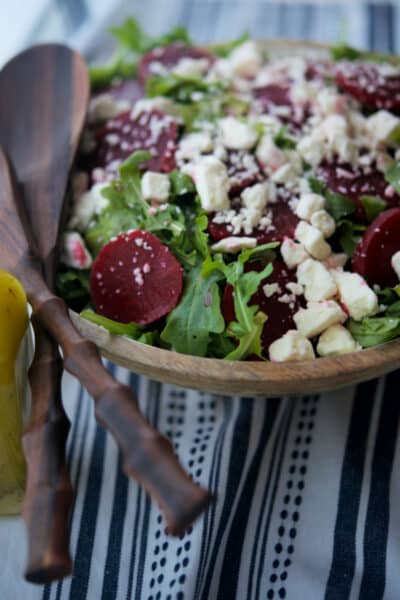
(231, 205)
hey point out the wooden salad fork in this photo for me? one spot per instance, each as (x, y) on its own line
(41, 143)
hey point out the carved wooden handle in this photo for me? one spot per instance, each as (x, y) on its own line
(49, 495)
(148, 457)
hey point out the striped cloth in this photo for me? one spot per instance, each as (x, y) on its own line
(308, 501)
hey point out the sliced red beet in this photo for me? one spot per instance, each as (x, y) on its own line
(135, 279)
(275, 99)
(128, 89)
(167, 58)
(280, 314)
(153, 131)
(243, 170)
(369, 85)
(284, 223)
(381, 240)
(318, 70)
(353, 183)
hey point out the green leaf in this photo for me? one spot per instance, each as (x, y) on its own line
(392, 176)
(250, 342)
(73, 286)
(198, 314)
(220, 345)
(349, 235)
(337, 205)
(374, 330)
(223, 49)
(119, 68)
(283, 140)
(200, 234)
(181, 184)
(346, 52)
(129, 329)
(373, 206)
(181, 88)
(130, 166)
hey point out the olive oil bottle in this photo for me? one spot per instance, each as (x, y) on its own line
(13, 328)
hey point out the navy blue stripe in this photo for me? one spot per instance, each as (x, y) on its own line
(234, 545)
(380, 26)
(283, 441)
(113, 559)
(377, 521)
(213, 480)
(240, 446)
(147, 509)
(344, 549)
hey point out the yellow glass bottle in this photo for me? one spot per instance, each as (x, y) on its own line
(13, 328)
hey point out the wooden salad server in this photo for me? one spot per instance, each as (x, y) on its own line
(148, 456)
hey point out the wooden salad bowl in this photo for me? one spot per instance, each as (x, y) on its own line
(247, 378)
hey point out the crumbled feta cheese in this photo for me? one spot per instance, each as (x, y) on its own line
(336, 340)
(311, 150)
(165, 105)
(191, 67)
(255, 197)
(212, 183)
(316, 279)
(318, 316)
(193, 144)
(333, 132)
(155, 186)
(336, 261)
(270, 289)
(295, 288)
(237, 135)
(87, 206)
(293, 253)
(74, 252)
(246, 59)
(382, 125)
(355, 294)
(395, 262)
(105, 106)
(323, 221)
(270, 156)
(292, 346)
(232, 245)
(313, 240)
(286, 175)
(308, 205)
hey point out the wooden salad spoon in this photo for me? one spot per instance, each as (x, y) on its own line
(40, 151)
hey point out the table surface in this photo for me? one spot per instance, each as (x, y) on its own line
(308, 499)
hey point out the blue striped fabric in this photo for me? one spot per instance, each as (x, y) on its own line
(308, 500)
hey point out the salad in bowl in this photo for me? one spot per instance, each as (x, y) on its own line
(232, 205)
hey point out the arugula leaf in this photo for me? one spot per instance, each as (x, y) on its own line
(223, 49)
(220, 345)
(129, 329)
(198, 314)
(181, 87)
(374, 330)
(373, 206)
(211, 108)
(73, 286)
(345, 52)
(283, 140)
(392, 176)
(133, 43)
(337, 205)
(249, 322)
(349, 234)
(181, 184)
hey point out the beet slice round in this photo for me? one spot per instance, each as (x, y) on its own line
(275, 97)
(135, 279)
(353, 183)
(368, 84)
(168, 57)
(280, 314)
(284, 223)
(381, 240)
(153, 131)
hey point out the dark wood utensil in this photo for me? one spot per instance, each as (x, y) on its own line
(148, 456)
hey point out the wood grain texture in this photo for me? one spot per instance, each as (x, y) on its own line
(49, 89)
(148, 457)
(247, 378)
